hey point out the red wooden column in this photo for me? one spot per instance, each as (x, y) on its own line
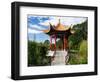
(65, 42)
(50, 42)
(55, 40)
(62, 42)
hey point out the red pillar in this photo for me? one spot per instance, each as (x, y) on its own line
(65, 42)
(51, 42)
(55, 40)
(53, 37)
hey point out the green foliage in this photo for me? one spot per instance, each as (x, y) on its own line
(59, 44)
(73, 58)
(83, 52)
(80, 56)
(37, 54)
(47, 42)
(80, 34)
(78, 42)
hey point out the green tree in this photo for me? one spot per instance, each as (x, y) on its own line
(78, 42)
(59, 44)
(47, 42)
(37, 54)
(80, 34)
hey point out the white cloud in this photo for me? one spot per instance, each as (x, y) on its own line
(34, 26)
(52, 20)
(34, 31)
(72, 20)
(64, 20)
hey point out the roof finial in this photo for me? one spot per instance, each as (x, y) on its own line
(50, 24)
(59, 20)
(71, 26)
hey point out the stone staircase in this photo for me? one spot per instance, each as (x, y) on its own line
(60, 57)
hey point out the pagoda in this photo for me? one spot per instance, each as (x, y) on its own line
(59, 31)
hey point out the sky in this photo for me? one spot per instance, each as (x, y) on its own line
(38, 23)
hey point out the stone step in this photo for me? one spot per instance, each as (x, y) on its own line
(60, 58)
(57, 53)
(60, 53)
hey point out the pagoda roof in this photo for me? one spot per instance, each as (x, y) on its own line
(58, 28)
(61, 27)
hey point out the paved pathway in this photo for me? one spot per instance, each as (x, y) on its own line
(60, 58)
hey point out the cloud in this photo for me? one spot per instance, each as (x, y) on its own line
(33, 31)
(35, 22)
(64, 20)
(32, 26)
(37, 19)
(52, 20)
(72, 20)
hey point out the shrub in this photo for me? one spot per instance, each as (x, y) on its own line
(37, 54)
(83, 51)
(79, 57)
